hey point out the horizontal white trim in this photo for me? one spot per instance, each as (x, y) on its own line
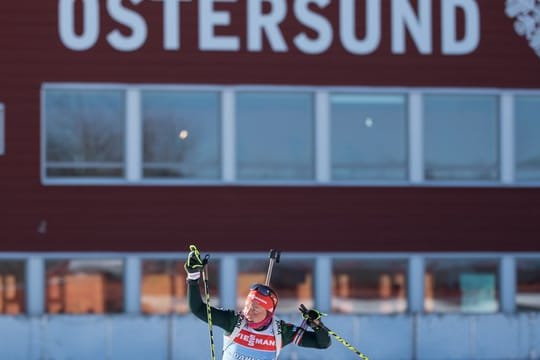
(269, 87)
(367, 99)
(300, 183)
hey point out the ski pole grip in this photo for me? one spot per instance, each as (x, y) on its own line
(275, 255)
(206, 259)
(274, 258)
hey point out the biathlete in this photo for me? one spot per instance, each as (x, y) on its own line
(254, 333)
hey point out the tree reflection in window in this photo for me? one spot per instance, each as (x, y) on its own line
(181, 135)
(85, 132)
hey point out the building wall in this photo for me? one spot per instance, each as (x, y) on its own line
(35, 217)
(253, 218)
(318, 218)
(185, 337)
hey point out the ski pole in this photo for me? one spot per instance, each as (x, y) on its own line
(274, 258)
(344, 342)
(300, 332)
(207, 297)
(208, 309)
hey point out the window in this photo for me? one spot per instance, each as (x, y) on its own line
(164, 288)
(527, 122)
(85, 133)
(84, 286)
(291, 279)
(12, 293)
(461, 137)
(528, 285)
(454, 285)
(2, 131)
(181, 135)
(192, 134)
(275, 136)
(368, 137)
(369, 286)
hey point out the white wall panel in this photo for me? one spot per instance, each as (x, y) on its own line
(496, 336)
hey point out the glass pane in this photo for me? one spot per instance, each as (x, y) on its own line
(455, 285)
(461, 137)
(275, 136)
(528, 285)
(369, 286)
(181, 134)
(163, 287)
(84, 286)
(12, 291)
(527, 120)
(368, 137)
(291, 279)
(85, 133)
(164, 290)
(249, 272)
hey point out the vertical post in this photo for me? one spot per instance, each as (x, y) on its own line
(35, 303)
(323, 285)
(35, 286)
(322, 137)
(507, 124)
(416, 139)
(507, 273)
(228, 281)
(132, 295)
(415, 283)
(228, 140)
(133, 135)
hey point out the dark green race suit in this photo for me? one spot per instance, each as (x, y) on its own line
(228, 319)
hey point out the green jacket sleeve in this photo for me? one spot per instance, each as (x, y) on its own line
(319, 339)
(225, 319)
